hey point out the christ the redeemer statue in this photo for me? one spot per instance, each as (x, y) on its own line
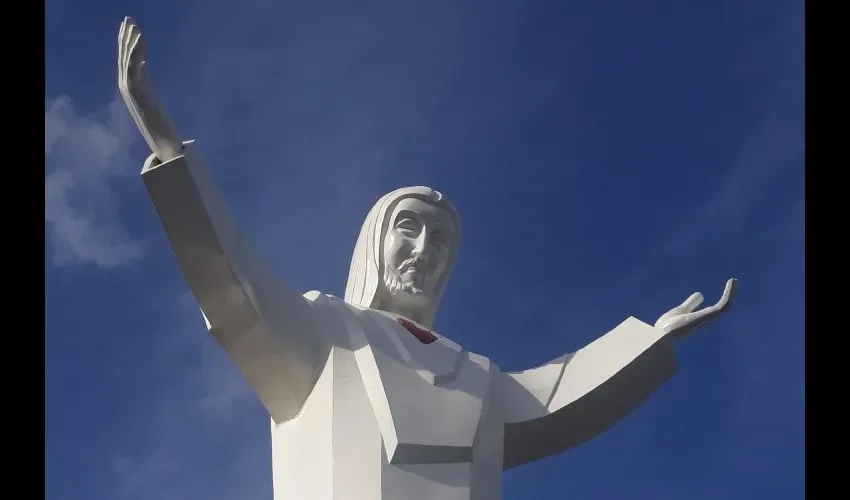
(366, 401)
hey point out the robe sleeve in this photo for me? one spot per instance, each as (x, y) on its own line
(272, 334)
(571, 399)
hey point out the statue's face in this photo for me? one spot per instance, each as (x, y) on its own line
(417, 248)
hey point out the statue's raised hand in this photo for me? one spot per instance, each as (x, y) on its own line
(684, 319)
(135, 87)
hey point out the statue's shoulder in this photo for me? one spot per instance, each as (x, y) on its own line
(314, 295)
(320, 299)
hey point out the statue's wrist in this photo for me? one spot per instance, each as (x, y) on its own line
(167, 152)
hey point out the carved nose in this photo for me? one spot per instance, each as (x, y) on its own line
(420, 244)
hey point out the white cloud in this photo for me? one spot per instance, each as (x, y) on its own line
(333, 151)
(89, 167)
(84, 156)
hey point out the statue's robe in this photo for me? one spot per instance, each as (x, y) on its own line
(363, 409)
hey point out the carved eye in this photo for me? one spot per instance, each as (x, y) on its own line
(407, 226)
(441, 240)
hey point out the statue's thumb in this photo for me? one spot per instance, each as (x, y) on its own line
(692, 302)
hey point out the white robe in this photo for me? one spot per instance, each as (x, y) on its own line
(360, 408)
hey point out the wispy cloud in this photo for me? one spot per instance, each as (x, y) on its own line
(88, 167)
(84, 155)
(305, 119)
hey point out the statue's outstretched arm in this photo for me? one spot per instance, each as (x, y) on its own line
(269, 331)
(577, 396)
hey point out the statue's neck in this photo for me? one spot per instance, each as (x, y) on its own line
(416, 314)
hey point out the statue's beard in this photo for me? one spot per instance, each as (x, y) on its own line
(396, 283)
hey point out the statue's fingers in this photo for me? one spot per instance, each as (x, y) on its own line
(127, 58)
(137, 51)
(664, 317)
(131, 32)
(122, 49)
(129, 23)
(728, 293)
(692, 302)
(133, 41)
(122, 31)
(125, 35)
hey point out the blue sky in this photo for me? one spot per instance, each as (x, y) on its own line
(608, 158)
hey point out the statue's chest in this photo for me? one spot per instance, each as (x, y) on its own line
(428, 398)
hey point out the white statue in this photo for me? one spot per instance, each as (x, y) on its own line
(366, 402)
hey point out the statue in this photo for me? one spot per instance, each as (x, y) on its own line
(366, 401)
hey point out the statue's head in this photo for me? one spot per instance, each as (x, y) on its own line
(405, 254)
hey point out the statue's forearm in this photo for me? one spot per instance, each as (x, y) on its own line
(266, 329)
(566, 402)
(198, 226)
(166, 141)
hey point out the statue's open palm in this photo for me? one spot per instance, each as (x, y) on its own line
(136, 89)
(684, 318)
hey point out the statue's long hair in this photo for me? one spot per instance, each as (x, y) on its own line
(367, 264)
